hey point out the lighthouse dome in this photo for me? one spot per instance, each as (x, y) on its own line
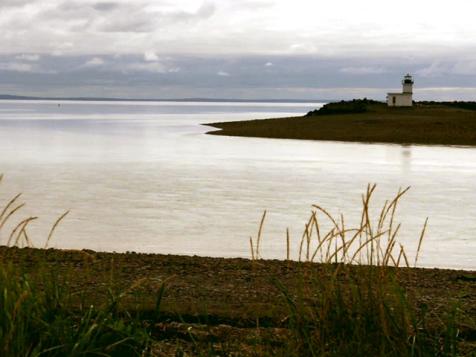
(408, 79)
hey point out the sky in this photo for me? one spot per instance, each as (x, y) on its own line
(258, 49)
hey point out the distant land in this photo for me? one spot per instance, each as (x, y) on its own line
(427, 123)
(209, 100)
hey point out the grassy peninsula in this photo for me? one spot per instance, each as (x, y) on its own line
(429, 123)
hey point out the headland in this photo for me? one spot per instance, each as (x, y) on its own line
(426, 123)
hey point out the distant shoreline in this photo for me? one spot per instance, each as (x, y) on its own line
(427, 123)
(179, 100)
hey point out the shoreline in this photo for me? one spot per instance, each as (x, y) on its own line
(210, 271)
(224, 132)
(227, 301)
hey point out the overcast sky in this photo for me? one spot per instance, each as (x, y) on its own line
(306, 49)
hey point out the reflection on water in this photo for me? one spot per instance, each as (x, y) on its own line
(406, 152)
(144, 177)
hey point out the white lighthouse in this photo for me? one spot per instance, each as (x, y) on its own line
(404, 99)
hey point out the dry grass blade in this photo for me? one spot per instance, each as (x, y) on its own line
(252, 249)
(358, 233)
(321, 244)
(11, 213)
(388, 254)
(420, 241)
(28, 241)
(393, 207)
(288, 249)
(400, 255)
(302, 241)
(19, 227)
(308, 242)
(342, 235)
(366, 243)
(8, 205)
(330, 240)
(328, 215)
(310, 223)
(344, 247)
(381, 217)
(407, 264)
(390, 245)
(318, 233)
(11, 202)
(367, 222)
(260, 231)
(54, 228)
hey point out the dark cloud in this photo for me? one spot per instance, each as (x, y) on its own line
(230, 76)
(105, 6)
(14, 3)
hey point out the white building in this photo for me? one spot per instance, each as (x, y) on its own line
(404, 99)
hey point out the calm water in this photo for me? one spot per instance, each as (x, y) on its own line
(144, 177)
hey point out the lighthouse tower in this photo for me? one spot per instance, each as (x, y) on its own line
(404, 99)
(407, 84)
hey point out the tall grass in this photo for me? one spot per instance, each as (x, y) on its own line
(374, 241)
(354, 304)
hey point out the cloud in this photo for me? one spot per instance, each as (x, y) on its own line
(153, 67)
(16, 67)
(435, 69)
(136, 22)
(464, 67)
(150, 56)
(94, 62)
(239, 76)
(230, 27)
(28, 57)
(362, 70)
(14, 3)
(268, 64)
(105, 6)
(145, 17)
(148, 63)
(302, 48)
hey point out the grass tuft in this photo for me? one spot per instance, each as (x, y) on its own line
(372, 242)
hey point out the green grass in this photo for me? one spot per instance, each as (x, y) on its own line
(430, 123)
(372, 315)
(38, 319)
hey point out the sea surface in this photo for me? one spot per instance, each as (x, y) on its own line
(143, 176)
